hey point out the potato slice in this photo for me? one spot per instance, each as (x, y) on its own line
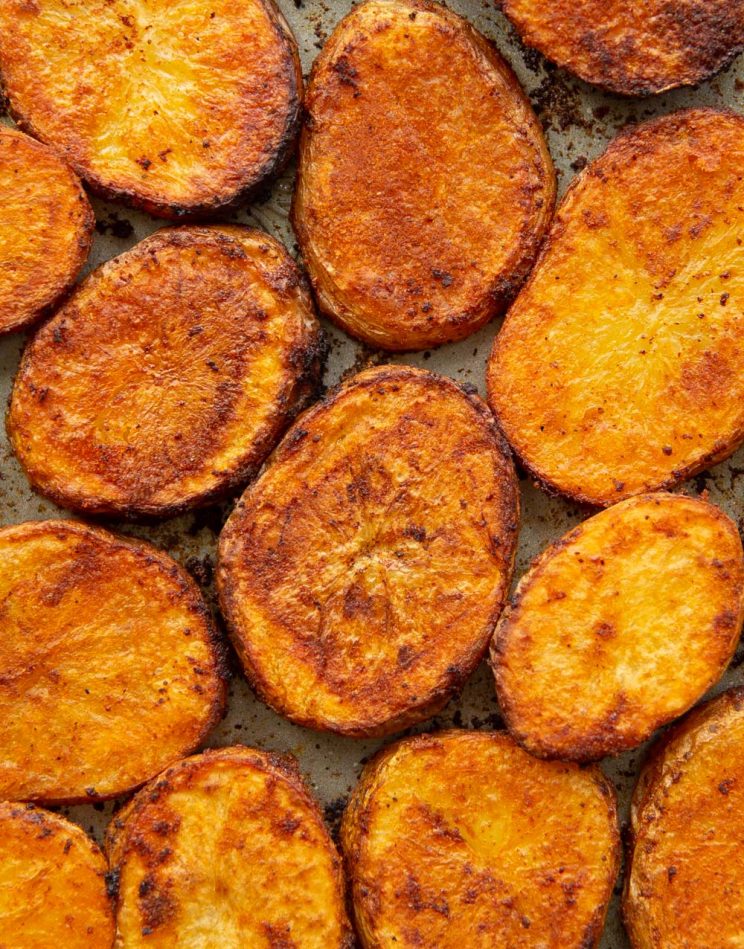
(169, 375)
(620, 626)
(461, 839)
(637, 49)
(109, 669)
(227, 849)
(684, 885)
(362, 574)
(619, 368)
(52, 883)
(176, 108)
(419, 209)
(46, 227)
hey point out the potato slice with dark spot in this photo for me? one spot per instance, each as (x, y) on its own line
(227, 849)
(109, 667)
(46, 227)
(620, 626)
(425, 185)
(361, 575)
(177, 108)
(620, 367)
(461, 839)
(170, 374)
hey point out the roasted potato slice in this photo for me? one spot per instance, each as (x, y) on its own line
(362, 573)
(109, 669)
(684, 888)
(620, 626)
(227, 849)
(619, 369)
(461, 839)
(633, 49)
(52, 883)
(46, 227)
(176, 108)
(169, 375)
(419, 209)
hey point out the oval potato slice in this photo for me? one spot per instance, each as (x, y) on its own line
(176, 108)
(227, 849)
(169, 375)
(620, 626)
(684, 886)
(620, 367)
(362, 573)
(461, 839)
(109, 668)
(52, 883)
(419, 210)
(46, 227)
(637, 50)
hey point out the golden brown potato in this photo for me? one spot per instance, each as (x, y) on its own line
(634, 49)
(619, 367)
(177, 108)
(362, 574)
(46, 226)
(684, 886)
(52, 883)
(419, 209)
(620, 626)
(169, 375)
(109, 669)
(227, 849)
(461, 840)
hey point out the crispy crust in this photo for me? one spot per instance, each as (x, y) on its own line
(462, 839)
(619, 627)
(191, 106)
(169, 375)
(109, 664)
(602, 405)
(419, 211)
(46, 228)
(659, 46)
(683, 887)
(362, 574)
(233, 840)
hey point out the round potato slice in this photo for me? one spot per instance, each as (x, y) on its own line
(619, 367)
(461, 839)
(636, 50)
(620, 626)
(169, 375)
(46, 227)
(684, 886)
(362, 574)
(177, 108)
(419, 209)
(52, 883)
(227, 849)
(109, 669)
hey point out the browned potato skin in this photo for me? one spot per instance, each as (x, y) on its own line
(603, 405)
(683, 885)
(110, 667)
(261, 864)
(169, 375)
(602, 599)
(181, 135)
(656, 46)
(439, 830)
(362, 574)
(417, 228)
(46, 227)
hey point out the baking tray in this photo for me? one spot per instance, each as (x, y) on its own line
(579, 121)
